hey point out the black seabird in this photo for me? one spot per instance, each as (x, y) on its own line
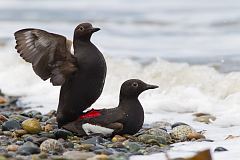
(127, 118)
(81, 76)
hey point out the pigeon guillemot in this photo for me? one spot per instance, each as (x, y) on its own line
(81, 76)
(127, 118)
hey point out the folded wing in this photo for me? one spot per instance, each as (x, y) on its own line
(48, 53)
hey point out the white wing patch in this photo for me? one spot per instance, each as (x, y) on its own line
(90, 128)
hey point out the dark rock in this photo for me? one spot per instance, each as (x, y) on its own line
(115, 145)
(39, 140)
(19, 143)
(105, 151)
(62, 133)
(68, 144)
(11, 125)
(44, 118)
(96, 147)
(47, 134)
(39, 117)
(6, 113)
(132, 146)
(220, 149)
(204, 140)
(178, 124)
(31, 113)
(122, 150)
(51, 121)
(28, 148)
(18, 118)
(35, 139)
(4, 141)
(95, 140)
(28, 138)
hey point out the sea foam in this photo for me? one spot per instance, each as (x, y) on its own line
(183, 88)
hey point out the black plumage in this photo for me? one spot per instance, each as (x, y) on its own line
(126, 118)
(81, 76)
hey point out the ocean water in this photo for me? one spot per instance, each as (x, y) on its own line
(189, 48)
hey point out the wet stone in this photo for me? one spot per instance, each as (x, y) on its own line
(195, 136)
(62, 133)
(220, 149)
(106, 151)
(78, 155)
(19, 143)
(181, 132)
(132, 146)
(12, 147)
(68, 144)
(3, 118)
(95, 140)
(11, 125)
(86, 147)
(205, 119)
(51, 145)
(20, 132)
(48, 128)
(4, 141)
(51, 121)
(18, 118)
(44, 118)
(96, 147)
(7, 133)
(47, 134)
(39, 117)
(31, 113)
(152, 139)
(118, 138)
(151, 150)
(28, 148)
(6, 113)
(39, 140)
(116, 145)
(158, 132)
(178, 124)
(32, 126)
(161, 124)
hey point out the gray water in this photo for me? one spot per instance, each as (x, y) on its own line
(197, 32)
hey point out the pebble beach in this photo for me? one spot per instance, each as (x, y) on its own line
(189, 49)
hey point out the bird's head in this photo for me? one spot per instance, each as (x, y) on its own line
(84, 31)
(134, 87)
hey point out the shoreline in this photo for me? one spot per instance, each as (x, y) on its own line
(29, 134)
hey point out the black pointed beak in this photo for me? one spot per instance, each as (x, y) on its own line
(95, 29)
(149, 86)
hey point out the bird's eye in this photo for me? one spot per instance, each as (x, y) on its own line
(135, 84)
(81, 28)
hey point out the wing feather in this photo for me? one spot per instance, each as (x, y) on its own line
(48, 53)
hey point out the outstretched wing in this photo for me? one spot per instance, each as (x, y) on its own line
(49, 54)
